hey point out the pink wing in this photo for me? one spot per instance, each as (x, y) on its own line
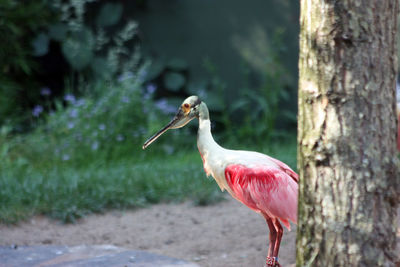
(266, 189)
(286, 169)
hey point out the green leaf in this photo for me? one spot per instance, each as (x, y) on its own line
(214, 101)
(58, 31)
(177, 64)
(154, 70)
(174, 81)
(110, 14)
(100, 66)
(40, 45)
(239, 104)
(78, 49)
(195, 87)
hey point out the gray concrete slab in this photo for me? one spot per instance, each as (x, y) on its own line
(84, 256)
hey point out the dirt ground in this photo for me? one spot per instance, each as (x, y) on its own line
(226, 234)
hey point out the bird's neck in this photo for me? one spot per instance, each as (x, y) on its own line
(205, 141)
(211, 153)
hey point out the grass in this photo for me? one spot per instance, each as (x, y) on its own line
(85, 156)
(67, 192)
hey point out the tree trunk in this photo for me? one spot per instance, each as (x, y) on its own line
(348, 166)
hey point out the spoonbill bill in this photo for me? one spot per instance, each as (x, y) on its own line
(262, 183)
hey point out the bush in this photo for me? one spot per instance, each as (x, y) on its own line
(110, 122)
(47, 42)
(86, 157)
(260, 112)
(19, 24)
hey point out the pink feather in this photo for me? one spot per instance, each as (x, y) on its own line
(266, 189)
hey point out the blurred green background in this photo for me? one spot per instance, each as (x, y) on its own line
(84, 83)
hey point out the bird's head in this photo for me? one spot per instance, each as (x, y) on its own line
(189, 110)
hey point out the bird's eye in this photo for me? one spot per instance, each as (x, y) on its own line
(186, 108)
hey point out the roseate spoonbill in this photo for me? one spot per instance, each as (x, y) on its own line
(262, 183)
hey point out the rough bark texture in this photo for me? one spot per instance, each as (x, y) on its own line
(347, 133)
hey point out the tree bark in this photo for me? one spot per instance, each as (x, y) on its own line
(347, 161)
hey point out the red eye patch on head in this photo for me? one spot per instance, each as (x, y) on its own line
(186, 108)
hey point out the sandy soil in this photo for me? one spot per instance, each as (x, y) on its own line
(226, 234)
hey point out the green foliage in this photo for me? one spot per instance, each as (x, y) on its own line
(19, 25)
(174, 81)
(170, 77)
(92, 50)
(110, 14)
(67, 193)
(111, 121)
(260, 112)
(177, 64)
(87, 157)
(252, 116)
(40, 45)
(78, 48)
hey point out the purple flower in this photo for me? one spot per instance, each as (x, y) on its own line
(125, 99)
(73, 113)
(125, 76)
(163, 105)
(120, 138)
(102, 127)
(45, 91)
(142, 74)
(95, 145)
(37, 110)
(65, 157)
(80, 102)
(70, 98)
(151, 88)
(70, 125)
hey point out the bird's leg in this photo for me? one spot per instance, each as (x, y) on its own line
(279, 230)
(272, 237)
(272, 241)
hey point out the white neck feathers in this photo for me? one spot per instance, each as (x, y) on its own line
(205, 141)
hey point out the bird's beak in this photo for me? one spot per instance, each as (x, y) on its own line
(178, 121)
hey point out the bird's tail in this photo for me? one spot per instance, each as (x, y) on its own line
(285, 223)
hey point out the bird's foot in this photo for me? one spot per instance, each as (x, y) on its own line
(272, 262)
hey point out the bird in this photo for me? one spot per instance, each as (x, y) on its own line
(262, 183)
